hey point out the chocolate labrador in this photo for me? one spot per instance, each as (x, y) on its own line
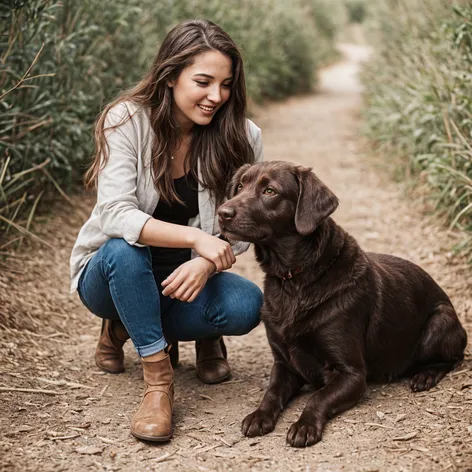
(335, 315)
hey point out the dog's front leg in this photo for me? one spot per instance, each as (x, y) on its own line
(343, 391)
(283, 385)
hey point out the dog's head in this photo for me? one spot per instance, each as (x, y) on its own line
(275, 198)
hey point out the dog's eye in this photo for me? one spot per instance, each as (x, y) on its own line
(239, 187)
(270, 191)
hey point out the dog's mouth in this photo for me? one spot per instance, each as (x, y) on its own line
(230, 234)
(248, 235)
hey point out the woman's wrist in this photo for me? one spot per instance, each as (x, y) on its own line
(210, 268)
(192, 236)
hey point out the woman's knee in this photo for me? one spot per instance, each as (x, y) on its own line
(239, 307)
(117, 251)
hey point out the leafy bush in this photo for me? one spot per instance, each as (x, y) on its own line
(418, 98)
(61, 60)
(356, 9)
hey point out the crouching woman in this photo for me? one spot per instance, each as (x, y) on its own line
(149, 261)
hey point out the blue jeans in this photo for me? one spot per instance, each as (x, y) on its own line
(119, 283)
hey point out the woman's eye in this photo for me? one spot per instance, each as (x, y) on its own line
(201, 84)
(227, 86)
(270, 191)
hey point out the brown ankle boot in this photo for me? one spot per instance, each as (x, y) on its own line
(212, 366)
(109, 353)
(153, 420)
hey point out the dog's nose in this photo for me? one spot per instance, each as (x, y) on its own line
(226, 213)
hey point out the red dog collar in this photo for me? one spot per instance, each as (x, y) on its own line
(291, 273)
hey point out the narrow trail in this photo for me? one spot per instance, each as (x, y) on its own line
(392, 429)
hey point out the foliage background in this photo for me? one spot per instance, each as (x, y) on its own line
(418, 100)
(61, 61)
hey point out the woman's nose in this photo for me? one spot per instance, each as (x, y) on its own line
(215, 95)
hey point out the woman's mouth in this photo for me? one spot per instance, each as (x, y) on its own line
(206, 109)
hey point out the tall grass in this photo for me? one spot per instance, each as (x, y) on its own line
(419, 105)
(62, 60)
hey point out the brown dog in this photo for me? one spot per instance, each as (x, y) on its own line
(334, 315)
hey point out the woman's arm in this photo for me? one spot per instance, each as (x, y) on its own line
(163, 234)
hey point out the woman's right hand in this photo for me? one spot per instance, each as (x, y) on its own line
(215, 250)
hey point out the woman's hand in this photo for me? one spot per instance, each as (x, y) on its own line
(215, 250)
(188, 280)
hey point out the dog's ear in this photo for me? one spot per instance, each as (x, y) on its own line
(234, 182)
(315, 202)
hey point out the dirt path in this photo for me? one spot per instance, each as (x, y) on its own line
(48, 340)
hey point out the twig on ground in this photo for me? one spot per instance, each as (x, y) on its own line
(30, 390)
(166, 456)
(205, 397)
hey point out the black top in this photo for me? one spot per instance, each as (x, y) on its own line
(166, 259)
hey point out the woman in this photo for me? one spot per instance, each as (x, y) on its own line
(149, 260)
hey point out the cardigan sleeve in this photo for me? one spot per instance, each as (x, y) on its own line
(117, 203)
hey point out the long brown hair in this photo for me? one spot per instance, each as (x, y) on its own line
(222, 146)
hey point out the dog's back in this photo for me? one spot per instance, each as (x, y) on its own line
(406, 298)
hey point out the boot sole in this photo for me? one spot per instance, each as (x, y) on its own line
(152, 438)
(109, 371)
(217, 381)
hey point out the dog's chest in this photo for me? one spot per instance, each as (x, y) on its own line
(297, 351)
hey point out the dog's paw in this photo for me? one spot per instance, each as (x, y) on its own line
(426, 380)
(257, 423)
(304, 433)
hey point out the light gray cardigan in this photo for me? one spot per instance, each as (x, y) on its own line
(126, 197)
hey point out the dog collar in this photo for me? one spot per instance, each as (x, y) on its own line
(291, 273)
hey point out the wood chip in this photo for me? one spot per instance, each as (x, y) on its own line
(90, 450)
(209, 448)
(399, 418)
(406, 437)
(25, 429)
(205, 397)
(435, 413)
(378, 425)
(106, 440)
(103, 390)
(62, 438)
(421, 449)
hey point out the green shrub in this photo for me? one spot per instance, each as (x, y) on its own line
(61, 61)
(356, 9)
(418, 101)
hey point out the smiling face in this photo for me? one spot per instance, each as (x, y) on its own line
(202, 89)
(272, 199)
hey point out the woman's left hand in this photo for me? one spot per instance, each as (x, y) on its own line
(188, 280)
